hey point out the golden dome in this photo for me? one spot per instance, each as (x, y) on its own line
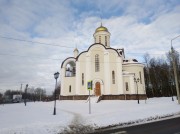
(101, 28)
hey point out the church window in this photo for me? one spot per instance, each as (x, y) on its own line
(105, 40)
(140, 77)
(127, 87)
(113, 77)
(70, 69)
(70, 88)
(99, 39)
(82, 78)
(96, 63)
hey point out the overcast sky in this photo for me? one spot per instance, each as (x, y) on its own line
(138, 26)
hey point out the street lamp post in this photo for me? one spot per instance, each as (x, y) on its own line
(56, 75)
(25, 94)
(175, 69)
(137, 80)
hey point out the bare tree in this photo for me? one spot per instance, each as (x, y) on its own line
(40, 93)
(147, 74)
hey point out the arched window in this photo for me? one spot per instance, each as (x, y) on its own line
(70, 69)
(99, 39)
(127, 87)
(105, 40)
(96, 63)
(82, 78)
(113, 77)
(70, 88)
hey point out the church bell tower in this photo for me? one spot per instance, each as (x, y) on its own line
(102, 36)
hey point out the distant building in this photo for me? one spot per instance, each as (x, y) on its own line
(111, 73)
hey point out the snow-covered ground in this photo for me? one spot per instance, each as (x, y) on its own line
(38, 118)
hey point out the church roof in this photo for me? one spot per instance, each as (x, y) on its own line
(100, 45)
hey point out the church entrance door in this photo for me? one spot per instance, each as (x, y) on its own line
(98, 89)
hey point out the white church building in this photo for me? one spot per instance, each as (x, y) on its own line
(112, 75)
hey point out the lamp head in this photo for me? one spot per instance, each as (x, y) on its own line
(56, 75)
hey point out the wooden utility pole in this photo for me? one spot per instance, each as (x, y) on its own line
(175, 69)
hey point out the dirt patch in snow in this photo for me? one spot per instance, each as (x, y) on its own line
(78, 126)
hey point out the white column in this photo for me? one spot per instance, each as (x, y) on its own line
(119, 75)
(78, 78)
(107, 72)
(132, 85)
(63, 70)
(88, 71)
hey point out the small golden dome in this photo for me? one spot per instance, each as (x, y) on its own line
(101, 28)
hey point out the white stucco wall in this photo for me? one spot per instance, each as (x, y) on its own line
(136, 68)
